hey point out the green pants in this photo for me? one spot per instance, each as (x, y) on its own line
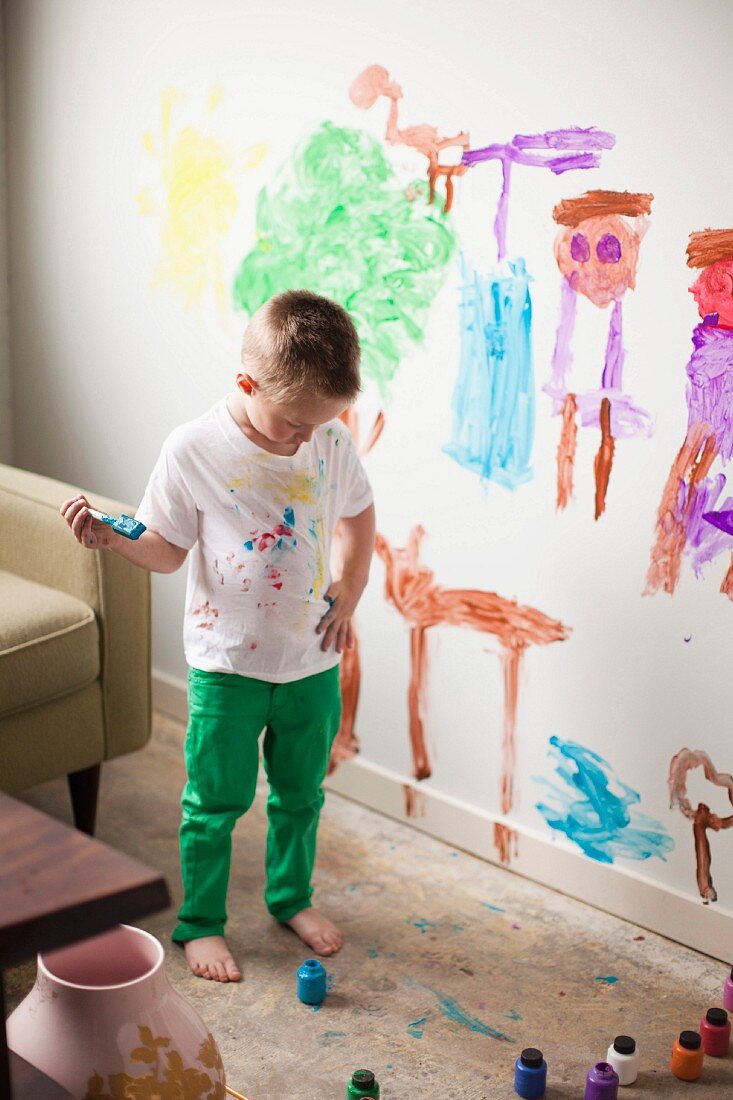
(227, 714)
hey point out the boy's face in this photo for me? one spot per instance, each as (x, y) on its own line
(287, 423)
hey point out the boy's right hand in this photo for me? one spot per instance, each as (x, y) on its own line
(89, 532)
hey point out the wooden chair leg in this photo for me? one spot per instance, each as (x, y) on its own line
(84, 788)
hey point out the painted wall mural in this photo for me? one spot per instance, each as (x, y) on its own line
(410, 586)
(597, 253)
(694, 518)
(338, 218)
(195, 198)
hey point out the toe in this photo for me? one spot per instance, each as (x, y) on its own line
(233, 972)
(220, 973)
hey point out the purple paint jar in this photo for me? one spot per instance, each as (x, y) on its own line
(601, 1082)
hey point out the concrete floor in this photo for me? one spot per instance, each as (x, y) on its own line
(450, 966)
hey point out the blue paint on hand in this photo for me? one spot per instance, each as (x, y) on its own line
(125, 525)
(598, 811)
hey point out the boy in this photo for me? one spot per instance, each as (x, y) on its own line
(253, 490)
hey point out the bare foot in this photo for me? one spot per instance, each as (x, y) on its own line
(209, 957)
(317, 931)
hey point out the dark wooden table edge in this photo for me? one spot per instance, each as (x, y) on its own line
(52, 932)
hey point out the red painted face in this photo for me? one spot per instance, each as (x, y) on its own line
(599, 257)
(713, 292)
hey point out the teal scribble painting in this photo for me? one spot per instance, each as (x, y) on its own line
(596, 810)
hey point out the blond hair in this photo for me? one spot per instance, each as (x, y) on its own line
(299, 344)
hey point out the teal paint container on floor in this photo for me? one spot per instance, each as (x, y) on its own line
(362, 1083)
(530, 1074)
(311, 982)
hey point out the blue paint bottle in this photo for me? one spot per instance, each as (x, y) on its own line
(312, 982)
(530, 1074)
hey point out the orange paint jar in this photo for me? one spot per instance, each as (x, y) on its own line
(687, 1056)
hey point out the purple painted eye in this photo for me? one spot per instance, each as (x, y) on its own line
(579, 248)
(608, 249)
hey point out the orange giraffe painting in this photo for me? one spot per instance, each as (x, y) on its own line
(411, 587)
(364, 92)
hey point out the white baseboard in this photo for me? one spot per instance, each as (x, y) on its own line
(553, 863)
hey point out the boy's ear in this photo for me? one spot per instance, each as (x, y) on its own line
(246, 383)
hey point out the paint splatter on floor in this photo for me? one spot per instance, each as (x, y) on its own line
(328, 1038)
(417, 1027)
(609, 979)
(453, 1011)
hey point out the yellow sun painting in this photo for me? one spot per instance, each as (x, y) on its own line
(196, 198)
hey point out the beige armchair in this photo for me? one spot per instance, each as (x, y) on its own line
(74, 646)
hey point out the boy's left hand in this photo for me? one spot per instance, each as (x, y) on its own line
(343, 597)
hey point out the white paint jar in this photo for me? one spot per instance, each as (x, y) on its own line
(624, 1057)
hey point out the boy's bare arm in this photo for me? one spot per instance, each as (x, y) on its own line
(353, 557)
(151, 551)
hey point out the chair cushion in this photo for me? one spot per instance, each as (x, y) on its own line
(49, 643)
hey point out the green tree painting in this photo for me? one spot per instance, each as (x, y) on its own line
(336, 220)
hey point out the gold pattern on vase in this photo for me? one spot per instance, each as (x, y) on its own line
(171, 1081)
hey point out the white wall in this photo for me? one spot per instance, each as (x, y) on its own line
(105, 366)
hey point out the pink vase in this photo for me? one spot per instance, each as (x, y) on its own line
(104, 1021)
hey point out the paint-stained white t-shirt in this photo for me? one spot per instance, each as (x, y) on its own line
(258, 529)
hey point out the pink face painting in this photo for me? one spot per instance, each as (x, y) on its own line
(695, 516)
(597, 252)
(410, 586)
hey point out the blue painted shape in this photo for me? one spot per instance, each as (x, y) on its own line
(494, 396)
(609, 979)
(493, 908)
(311, 982)
(249, 545)
(289, 517)
(598, 811)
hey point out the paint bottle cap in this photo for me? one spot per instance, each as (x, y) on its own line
(624, 1044)
(718, 1017)
(690, 1040)
(363, 1079)
(531, 1057)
